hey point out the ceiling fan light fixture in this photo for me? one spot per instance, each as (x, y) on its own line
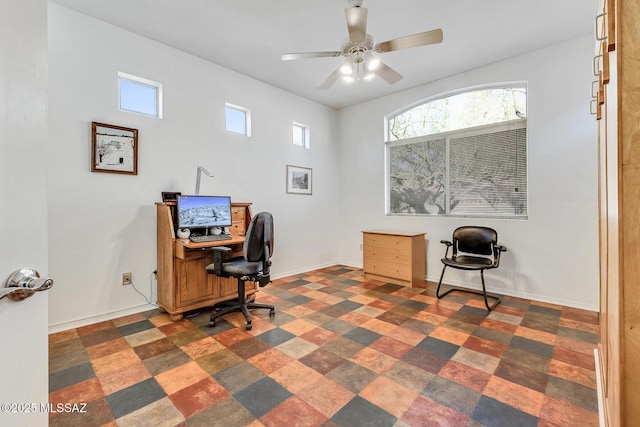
(346, 69)
(369, 76)
(372, 63)
(348, 79)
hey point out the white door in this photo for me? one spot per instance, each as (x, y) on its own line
(23, 209)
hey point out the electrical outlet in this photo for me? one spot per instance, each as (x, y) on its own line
(361, 246)
(126, 278)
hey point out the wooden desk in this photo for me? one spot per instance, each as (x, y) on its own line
(183, 283)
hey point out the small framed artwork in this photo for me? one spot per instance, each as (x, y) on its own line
(299, 180)
(114, 149)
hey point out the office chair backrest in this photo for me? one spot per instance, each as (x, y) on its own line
(259, 235)
(475, 240)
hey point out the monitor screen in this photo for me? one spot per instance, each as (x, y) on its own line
(204, 211)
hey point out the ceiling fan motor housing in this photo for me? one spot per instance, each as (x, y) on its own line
(358, 50)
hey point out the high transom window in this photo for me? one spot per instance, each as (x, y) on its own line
(464, 154)
(139, 95)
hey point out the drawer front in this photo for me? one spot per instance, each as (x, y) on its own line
(389, 269)
(384, 253)
(237, 218)
(237, 214)
(387, 241)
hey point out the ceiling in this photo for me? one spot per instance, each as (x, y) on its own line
(250, 36)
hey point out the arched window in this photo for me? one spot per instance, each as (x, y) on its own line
(464, 154)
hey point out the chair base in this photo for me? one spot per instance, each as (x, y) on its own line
(243, 305)
(482, 293)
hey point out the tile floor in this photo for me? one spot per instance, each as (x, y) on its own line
(340, 351)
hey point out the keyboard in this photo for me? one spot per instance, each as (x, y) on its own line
(209, 238)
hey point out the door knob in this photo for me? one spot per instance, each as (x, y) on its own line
(23, 283)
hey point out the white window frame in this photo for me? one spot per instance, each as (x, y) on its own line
(306, 143)
(522, 123)
(141, 81)
(247, 118)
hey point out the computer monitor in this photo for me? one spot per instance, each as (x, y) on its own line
(204, 211)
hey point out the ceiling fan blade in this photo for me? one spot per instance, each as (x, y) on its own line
(303, 55)
(356, 23)
(333, 77)
(415, 40)
(387, 73)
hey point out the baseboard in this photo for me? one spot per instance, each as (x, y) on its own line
(303, 270)
(523, 295)
(72, 324)
(599, 388)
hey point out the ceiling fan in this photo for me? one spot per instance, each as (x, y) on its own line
(359, 50)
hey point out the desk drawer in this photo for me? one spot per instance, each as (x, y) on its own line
(387, 241)
(238, 226)
(384, 253)
(388, 269)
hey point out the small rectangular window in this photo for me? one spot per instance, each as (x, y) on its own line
(238, 119)
(300, 135)
(139, 95)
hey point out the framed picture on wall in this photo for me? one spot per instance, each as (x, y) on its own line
(114, 149)
(299, 180)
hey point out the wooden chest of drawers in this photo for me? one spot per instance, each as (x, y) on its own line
(394, 257)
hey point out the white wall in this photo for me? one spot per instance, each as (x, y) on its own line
(23, 216)
(101, 225)
(553, 256)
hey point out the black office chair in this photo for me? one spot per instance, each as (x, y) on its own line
(481, 243)
(254, 266)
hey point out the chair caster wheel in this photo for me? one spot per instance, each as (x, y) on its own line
(212, 323)
(248, 327)
(272, 313)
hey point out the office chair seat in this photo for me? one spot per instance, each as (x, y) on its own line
(241, 267)
(466, 262)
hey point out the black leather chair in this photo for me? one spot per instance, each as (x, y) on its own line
(254, 266)
(480, 251)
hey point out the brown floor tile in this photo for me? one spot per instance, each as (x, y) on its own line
(467, 376)
(114, 361)
(295, 376)
(389, 395)
(391, 347)
(124, 377)
(326, 396)
(484, 346)
(575, 358)
(319, 336)
(558, 412)
(199, 396)
(218, 361)
(520, 397)
(373, 360)
(293, 412)
(106, 348)
(573, 373)
(426, 412)
(85, 391)
(180, 377)
(449, 335)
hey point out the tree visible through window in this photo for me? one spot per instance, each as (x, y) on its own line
(460, 155)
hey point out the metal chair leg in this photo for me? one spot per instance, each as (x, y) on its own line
(440, 283)
(470, 291)
(484, 294)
